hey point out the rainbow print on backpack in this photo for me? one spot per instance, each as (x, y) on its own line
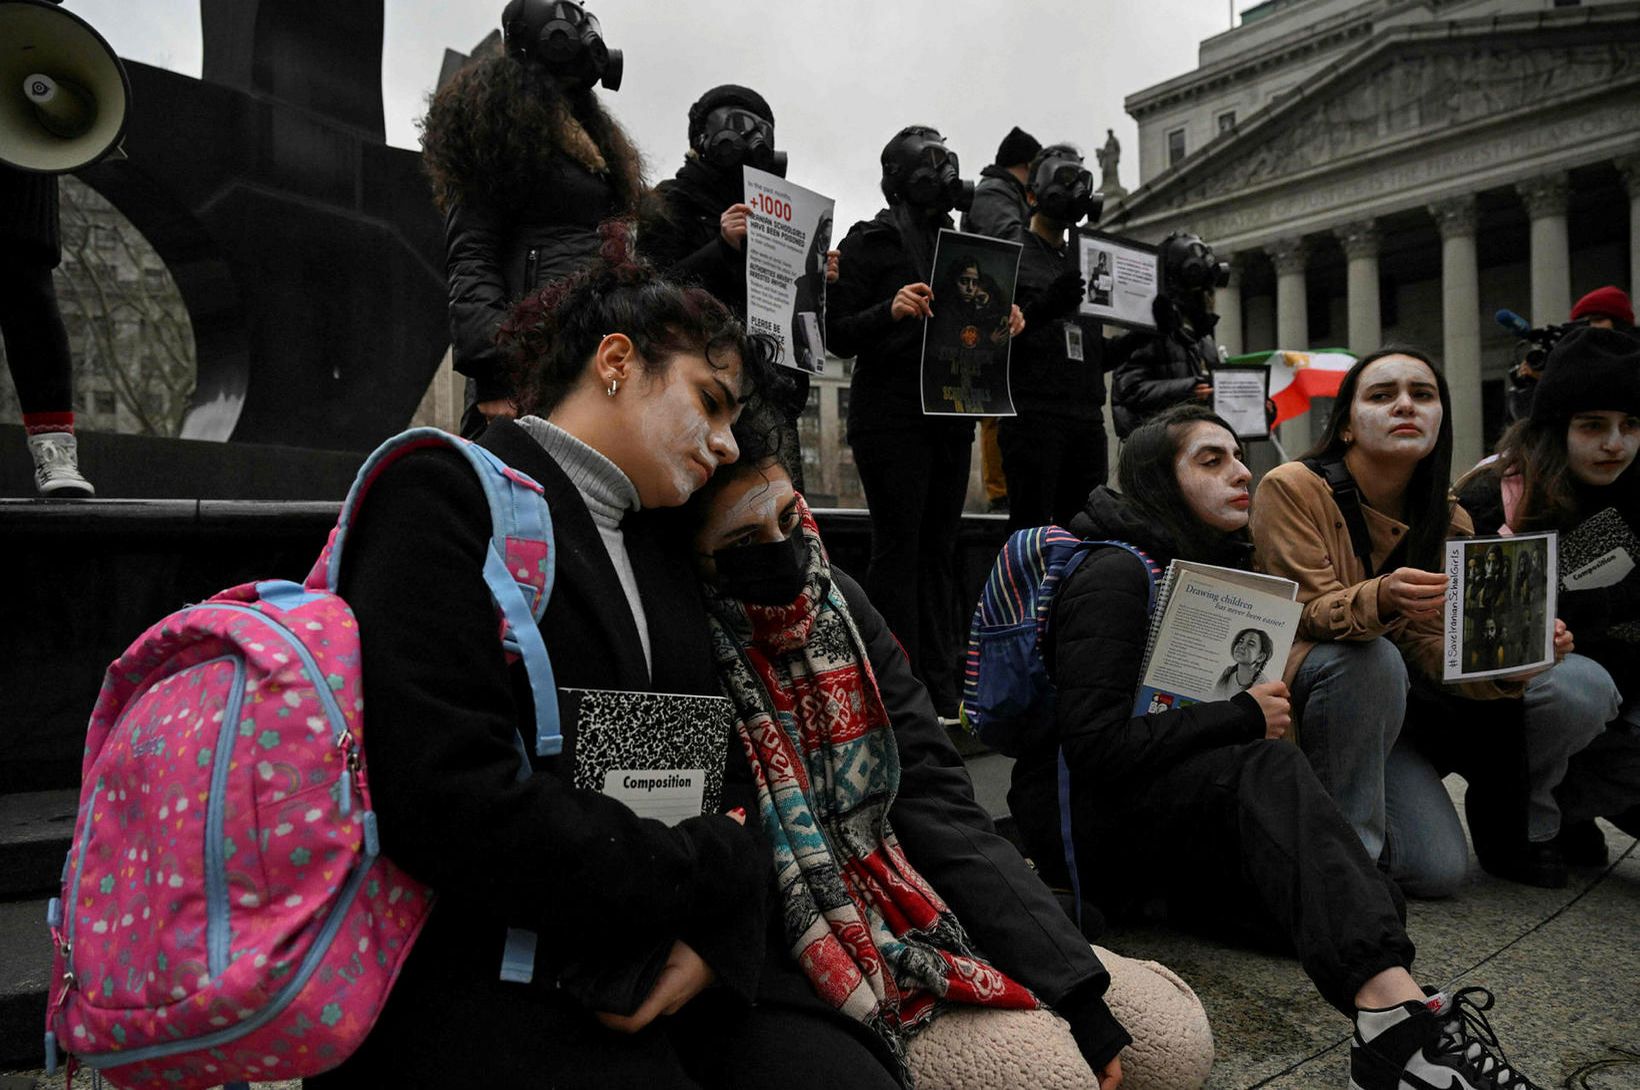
(226, 912)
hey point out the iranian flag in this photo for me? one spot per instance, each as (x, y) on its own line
(1296, 377)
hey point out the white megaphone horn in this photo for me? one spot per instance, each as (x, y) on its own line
(63, 93)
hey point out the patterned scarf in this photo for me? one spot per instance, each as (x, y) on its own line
(876, 941)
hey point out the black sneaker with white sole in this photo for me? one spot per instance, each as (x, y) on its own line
(1444, 1043)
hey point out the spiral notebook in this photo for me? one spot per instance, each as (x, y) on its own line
(662, 754)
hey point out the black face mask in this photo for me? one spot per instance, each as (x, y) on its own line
(734, 137)
(767, 574)
(1064, 190)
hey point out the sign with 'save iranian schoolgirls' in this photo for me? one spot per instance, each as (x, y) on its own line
(787, 239)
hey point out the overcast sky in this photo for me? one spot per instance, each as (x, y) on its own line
(840, 75)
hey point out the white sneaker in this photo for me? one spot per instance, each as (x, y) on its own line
(57, 465)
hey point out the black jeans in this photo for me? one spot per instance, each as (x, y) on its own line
(915, 483)
(36, 342)
(1052, 463)
(1244, 839)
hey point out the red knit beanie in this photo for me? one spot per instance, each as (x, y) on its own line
(1608, 302)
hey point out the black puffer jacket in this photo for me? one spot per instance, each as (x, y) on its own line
(1096, 643)
(680, 232)
(494, 256)
(885, 393)
(1161, 372)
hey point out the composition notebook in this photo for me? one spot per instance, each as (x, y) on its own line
(1600, 552)
(1215, 632)
(660, 753)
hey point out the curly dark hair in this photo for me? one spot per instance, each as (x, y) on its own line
(482, 139)
(552, 333)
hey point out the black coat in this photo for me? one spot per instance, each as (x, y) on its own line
(578, 868)
(493, 256)
(680, 232)
(1014, 919)
(1096, 643)
(885, 391)
(1000, 209)
(29, 229)
(1159, 372)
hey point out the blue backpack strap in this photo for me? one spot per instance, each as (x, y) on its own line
(1063, 769)
(518, 512)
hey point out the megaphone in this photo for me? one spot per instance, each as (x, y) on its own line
(63, 92)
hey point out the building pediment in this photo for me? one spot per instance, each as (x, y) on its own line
(1410, 86)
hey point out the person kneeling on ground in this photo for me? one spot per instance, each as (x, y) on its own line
(1207, 805)
(875, 828)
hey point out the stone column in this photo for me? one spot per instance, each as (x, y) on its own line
(1293, 328)
(1628, 167)
(1550, 259)
(1461, 326)
(1227, 305)
(1361, 242)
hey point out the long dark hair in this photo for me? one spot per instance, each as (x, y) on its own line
(552, 333)
(1145, 473)
(491, 134)
(1536, 450)
(1428, 507)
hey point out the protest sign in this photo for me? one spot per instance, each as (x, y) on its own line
(1239, 394)
(787, 237)
(966, 343)
(1500, 605)
(1122, 277)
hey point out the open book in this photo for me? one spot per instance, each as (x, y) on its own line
(1215, 632)
(662, 754)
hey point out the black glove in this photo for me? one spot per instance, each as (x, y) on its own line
(1058, 300)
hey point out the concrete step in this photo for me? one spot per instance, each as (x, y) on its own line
(35, 829)
(25, 969)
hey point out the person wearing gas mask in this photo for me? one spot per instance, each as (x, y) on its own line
(1053, 451)
(914, 468)
(1176, 363)
(525, 164)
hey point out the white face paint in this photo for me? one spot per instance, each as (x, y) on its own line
(1212, 477)
(1396, 413)
(1601, 445)
(675, 427)
(757, 506)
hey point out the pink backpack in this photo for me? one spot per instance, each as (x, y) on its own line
(226, 915)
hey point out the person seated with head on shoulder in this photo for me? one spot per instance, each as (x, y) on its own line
(1360, 525)
(1569, 467)
(1207, 806)
(911, 915)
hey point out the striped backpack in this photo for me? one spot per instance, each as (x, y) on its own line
(1006, 690)
(226, 913)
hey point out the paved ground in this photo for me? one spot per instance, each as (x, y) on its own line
(1565, 965)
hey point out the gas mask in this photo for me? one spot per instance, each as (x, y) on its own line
(563, 38)
(734, 137)
(1064, 187)
(919, 169)
(1190, 268)
(766, 574)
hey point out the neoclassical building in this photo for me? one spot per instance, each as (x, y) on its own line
(1399, 170)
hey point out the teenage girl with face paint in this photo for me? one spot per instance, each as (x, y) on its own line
(786, 621)
(629, 387)
(1570, 459)
(1206, 805)
(1371, 630)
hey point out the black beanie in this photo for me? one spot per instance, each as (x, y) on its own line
(1590, 370)
(727, 94)
(1017, 147)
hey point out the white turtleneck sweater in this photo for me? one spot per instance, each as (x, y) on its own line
(609, 495)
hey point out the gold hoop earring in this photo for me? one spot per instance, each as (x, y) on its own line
(614, 384)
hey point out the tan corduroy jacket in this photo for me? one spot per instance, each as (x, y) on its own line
(1300, 534)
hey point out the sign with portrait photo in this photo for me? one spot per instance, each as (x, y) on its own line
(1123, 277)
(966, 343)
(1499, 618)
(787, 238)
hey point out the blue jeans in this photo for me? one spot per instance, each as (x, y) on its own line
(1349, 699)
(1567, 707)
(1424, 850)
